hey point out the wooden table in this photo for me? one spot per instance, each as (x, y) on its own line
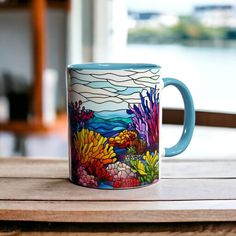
(191, 197)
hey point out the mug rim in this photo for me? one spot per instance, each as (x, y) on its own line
(113, 66)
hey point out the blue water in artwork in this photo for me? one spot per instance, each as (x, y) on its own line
(109, 126)
(105, 186)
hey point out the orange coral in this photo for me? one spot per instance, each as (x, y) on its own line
(123, 139)
(90, 147)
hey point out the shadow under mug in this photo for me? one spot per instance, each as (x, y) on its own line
(114, 120)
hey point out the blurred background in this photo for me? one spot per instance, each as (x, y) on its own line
(193, 40)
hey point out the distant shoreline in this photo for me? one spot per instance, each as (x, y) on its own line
(210, 43)
(192, 43)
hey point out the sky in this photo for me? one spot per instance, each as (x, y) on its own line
(172, 6)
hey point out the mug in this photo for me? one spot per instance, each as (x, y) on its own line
(114, 120)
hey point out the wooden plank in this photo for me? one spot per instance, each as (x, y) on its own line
(198, 168)
(170, 168)
(39, 56)
(21, 167)
(164, 190)
(34, 127)
(166, 211)
(124, 229)
(25, 127)
(176, 116)
(20, 127)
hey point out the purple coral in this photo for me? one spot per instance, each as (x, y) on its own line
(79, 115)
(145, 118)
(139, 121)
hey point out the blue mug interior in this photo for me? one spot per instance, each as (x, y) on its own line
(113, 66)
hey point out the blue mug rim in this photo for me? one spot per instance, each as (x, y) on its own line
(113, 66)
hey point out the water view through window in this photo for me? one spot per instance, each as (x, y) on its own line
(194, 41)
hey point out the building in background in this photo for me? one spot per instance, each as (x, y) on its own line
(151, 19)
(216, 15)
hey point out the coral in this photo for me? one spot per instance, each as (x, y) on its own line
(131, 150)
(124, 183)
(123, 139)
(147, 168)
(138, 166)
(91, 146)
(151, 160)
(151, 167)
(119, 171)
(145, 118)
(85, 179)
(130, 156)
(97, 168)
(140, 146)
(140, 122)
(79, 116)
(93, 153)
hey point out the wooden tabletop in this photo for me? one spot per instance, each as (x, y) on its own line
(189, 191)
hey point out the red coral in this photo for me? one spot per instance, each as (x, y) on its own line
(97, 169)
(81, 115)
(125, 183)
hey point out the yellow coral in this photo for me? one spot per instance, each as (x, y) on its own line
(151, 159)
(141, 168)
(123, 139)
(138, 166)
(91, 146)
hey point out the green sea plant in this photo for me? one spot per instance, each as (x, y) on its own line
(148, 168)
(131, 150)
(138, 166)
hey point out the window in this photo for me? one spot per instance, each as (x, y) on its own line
(193, 41)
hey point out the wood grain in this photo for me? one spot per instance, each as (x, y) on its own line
(33, 168)
(39, 190)
(198, 168)
(77, 211)
(170, 168)
(164, 190)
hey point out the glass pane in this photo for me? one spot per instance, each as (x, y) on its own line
(194, 41)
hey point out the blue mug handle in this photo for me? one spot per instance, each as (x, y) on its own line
(189, 117)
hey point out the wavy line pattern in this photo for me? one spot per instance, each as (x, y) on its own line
(111, 90)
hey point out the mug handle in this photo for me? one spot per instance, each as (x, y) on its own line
(189, 117)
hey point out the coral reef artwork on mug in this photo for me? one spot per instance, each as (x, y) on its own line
(114, 127)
